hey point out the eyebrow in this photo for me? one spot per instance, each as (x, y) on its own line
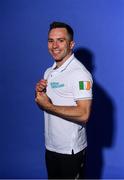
(57, 39)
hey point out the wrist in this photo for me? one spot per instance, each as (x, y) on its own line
(48, 106)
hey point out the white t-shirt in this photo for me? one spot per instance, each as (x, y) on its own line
(66, 85)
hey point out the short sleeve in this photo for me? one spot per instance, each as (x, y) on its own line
(81, 85)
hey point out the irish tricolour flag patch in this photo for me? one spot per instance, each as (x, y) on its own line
(84, 85)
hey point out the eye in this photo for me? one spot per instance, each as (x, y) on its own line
(61, 40)
(50, 40)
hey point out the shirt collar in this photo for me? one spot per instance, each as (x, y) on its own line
(64, 65)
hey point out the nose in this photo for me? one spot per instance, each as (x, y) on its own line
(55, 44)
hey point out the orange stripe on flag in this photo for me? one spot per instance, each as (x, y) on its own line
(88, 85)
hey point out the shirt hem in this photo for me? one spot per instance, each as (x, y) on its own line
(75, 150)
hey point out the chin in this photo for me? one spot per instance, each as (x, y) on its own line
(58, 60)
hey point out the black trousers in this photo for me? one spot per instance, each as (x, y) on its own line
(65, 166)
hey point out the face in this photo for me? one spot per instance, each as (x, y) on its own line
(59, 44)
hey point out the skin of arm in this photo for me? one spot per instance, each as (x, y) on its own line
(79, 113)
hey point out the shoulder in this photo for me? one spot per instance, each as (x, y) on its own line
(46, 73)
(77, 70)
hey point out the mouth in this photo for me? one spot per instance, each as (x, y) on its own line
(56, 51)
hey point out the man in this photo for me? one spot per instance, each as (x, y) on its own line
(65, 95)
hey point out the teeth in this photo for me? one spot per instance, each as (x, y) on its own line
(56, 51)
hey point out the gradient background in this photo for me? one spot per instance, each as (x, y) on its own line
(99, 37)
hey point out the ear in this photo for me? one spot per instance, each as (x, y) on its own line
(72, 43)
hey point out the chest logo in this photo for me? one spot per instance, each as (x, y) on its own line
(56, 85)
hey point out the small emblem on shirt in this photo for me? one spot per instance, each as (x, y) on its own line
(56, 85)
(84, 85)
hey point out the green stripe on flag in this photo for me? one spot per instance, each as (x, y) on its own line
(81, 85)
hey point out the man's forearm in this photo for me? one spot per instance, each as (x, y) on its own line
(79, 113)
(69, 112)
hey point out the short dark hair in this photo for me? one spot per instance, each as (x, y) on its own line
(69, 29)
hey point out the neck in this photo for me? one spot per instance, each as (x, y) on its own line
(61, 62)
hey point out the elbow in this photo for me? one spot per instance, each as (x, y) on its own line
(84, 118)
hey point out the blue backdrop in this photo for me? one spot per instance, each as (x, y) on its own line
(99, 37)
